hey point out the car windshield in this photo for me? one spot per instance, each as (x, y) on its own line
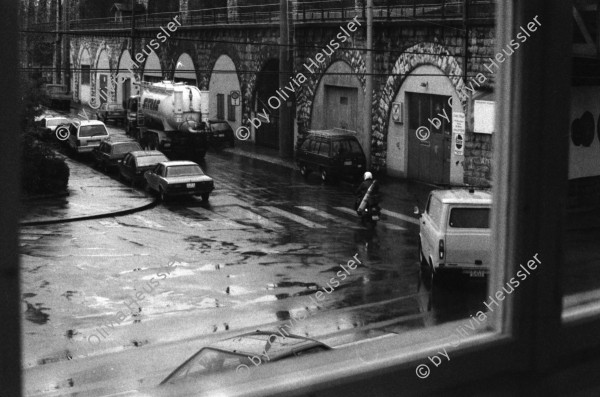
(92, 130)
(54, 122)
(126, 148)
(220, 127)
(150, 160)
(473, 218)
(207, 361)
(184, 170)
(355, 147)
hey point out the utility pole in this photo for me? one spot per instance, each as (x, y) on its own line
(66, 50)
(133, 32)
(369, 82)
(286, 129)
(57, 45)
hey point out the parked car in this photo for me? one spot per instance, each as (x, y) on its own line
(332, 153)
(84, 135)
(109, 154)
(247, 350)
(454, 232)
(49, 124)
(112, 111)
(136, 163)
(179, 178)
(220, 132)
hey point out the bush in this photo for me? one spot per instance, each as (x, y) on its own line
(43, 172)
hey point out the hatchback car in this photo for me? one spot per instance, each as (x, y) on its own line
(134, 164)
(332, 153)
(454, 232)
(179, 178)
(243, 352)
(83, 136)
(109, 154)
(220, 132)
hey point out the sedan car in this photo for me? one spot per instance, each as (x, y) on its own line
(179, 178)
(136, 163)
(109, 153)
(243, 352)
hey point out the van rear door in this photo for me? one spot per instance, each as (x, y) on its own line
(468, 237)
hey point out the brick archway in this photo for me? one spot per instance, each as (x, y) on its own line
(418, 55)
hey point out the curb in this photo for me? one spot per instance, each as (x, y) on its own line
(45, 196)
(263, 158)
(128, 211)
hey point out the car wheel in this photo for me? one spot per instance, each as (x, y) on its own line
(324, 175)
(304, 170)
(205, 197)
(422, 259)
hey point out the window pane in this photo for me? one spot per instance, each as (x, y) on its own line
(581, 281)
(465, 218)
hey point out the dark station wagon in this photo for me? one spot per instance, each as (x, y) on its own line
(109, 153)
(134, 164)
(332, 153)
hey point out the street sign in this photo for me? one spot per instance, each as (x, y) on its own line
(458, 133)
(235, 98)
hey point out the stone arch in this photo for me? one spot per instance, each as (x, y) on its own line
(152, 68)
(306, 95)
(224, 84)
(125, 78)
(187, 71)
(216, 52)
(84, 57)
(427, 53)
(101, 75)
(256, 65)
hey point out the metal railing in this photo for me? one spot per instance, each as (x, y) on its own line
(304, 14)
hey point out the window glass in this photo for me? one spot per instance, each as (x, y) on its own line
(207, 361)
(150, 160)
(126, 148)
(324, 148)
(355, 147)
(220, 106)
(435, 210)
(184, 170)
(581, 280)
(220, 127)
(85, 74)
(470, 218)
(92, 130)
(305, 145)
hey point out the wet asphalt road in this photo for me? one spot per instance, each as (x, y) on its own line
(252, 257)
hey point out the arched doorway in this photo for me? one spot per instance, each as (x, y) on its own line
(419, 136)
(267, 83)
(152, 69)
(185, 71)
(102, 93)
(339, 102)
(85, 76)
(124, 84)
(223, 84)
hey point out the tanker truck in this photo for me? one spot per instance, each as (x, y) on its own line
(170, 117)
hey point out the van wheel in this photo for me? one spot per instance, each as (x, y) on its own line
(324, 175)
(304, 171)
(422, 259)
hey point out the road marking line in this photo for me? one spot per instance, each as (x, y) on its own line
(293, 217)
(400, 216)
(326, 215)
(390, 226)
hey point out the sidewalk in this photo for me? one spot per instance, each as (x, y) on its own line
(269, 155)
(91, 195)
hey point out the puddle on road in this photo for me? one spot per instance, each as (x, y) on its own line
(36, 314)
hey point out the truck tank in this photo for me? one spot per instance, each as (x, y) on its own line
(173, 107)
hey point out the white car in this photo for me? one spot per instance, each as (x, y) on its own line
(83, 136)
(454, 232)
(179, 178)
(49, 124)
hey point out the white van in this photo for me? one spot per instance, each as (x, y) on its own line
(85, 135)
(454, 232)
